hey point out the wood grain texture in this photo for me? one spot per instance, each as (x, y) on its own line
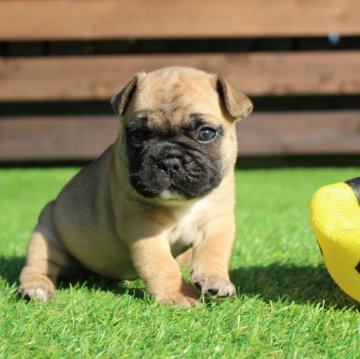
(55, 138)
(108, 19)
(300, 133)
(100, 77)
(83, 138)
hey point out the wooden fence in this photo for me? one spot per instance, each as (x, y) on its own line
(47, 78)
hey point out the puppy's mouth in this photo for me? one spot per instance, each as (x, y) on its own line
(174, 179)
(173, 194)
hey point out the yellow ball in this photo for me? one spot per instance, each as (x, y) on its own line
(335, 219)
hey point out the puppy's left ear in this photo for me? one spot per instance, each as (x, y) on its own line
(120, 101)
(237, 104)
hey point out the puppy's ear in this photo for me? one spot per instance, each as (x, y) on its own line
(120, 101)
(237, 104)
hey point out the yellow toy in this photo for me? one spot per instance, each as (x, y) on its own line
(335, 219)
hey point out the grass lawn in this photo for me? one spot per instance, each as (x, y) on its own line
(287, 305)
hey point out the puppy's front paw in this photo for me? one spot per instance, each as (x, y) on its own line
(214, 285)
(40, 290)
(186, 297)
(39, 294)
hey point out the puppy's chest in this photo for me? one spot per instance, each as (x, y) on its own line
(184, 234)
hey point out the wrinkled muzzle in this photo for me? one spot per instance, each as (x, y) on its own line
(166, 166)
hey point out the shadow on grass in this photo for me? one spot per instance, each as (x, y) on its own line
(92, 281)
(10, 268)
(300, 284)
(276, 282)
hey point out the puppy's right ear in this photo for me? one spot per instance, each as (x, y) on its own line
(120, 101)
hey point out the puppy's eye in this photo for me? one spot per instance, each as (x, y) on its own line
(138, 136)
(206, 134)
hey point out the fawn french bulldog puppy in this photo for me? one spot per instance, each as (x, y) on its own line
(163, 190)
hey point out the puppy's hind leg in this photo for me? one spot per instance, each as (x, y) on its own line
(45, 260)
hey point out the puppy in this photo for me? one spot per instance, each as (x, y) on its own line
(163, 191)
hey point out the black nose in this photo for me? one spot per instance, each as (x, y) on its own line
(172, 164)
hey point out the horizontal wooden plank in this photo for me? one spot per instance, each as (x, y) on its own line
(100, 77)
(300, 133)
(108, 19)
(83, 138)
(55, 138)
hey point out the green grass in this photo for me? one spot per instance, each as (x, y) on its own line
(287, 305)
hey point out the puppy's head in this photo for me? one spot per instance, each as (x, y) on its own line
(177, 129)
